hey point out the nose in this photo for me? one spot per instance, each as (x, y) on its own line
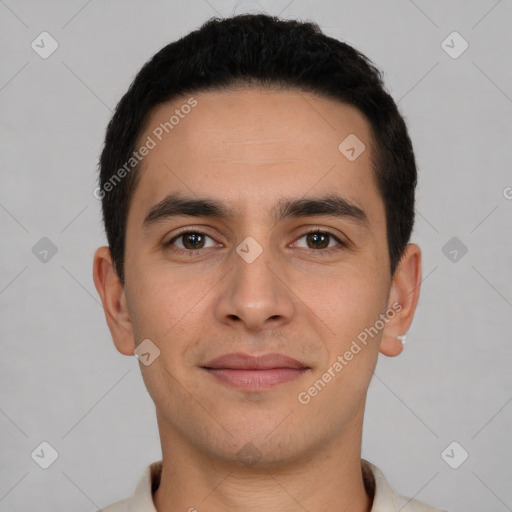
(255, 295)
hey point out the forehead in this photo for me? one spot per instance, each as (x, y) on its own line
(254, 117)
(255, 145)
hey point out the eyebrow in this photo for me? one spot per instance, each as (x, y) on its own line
(331, 205)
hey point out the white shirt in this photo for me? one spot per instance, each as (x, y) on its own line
(384, 500)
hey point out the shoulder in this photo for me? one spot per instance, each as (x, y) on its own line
(412, 505)
(142, 499)
(119, 506)
(385, 499)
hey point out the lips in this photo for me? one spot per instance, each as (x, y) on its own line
(241, 361)
(254, 373)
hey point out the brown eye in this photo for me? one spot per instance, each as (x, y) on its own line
(321, 241)
(318, 240)
(190, 240)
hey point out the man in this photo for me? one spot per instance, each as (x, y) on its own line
(257, 185)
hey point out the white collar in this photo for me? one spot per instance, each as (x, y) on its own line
(384, 500)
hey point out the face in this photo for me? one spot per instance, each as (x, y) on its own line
(277, 248)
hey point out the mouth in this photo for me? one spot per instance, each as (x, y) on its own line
(255, 373)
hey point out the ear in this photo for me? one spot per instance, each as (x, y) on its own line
(403, 299)
(113, 297)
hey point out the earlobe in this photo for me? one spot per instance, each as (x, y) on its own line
(112, 294)
(403, 298)
(391, 346)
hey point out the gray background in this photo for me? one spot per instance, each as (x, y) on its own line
(61, 379)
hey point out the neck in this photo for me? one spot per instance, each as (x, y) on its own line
(329, 478)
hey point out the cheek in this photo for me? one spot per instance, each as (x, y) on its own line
(344, 302)
(157, 307)
(169, 309)
(165, 314)
(351, 345)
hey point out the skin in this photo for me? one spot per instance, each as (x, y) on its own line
(250, 148)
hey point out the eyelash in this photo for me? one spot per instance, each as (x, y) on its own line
(319, 252)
